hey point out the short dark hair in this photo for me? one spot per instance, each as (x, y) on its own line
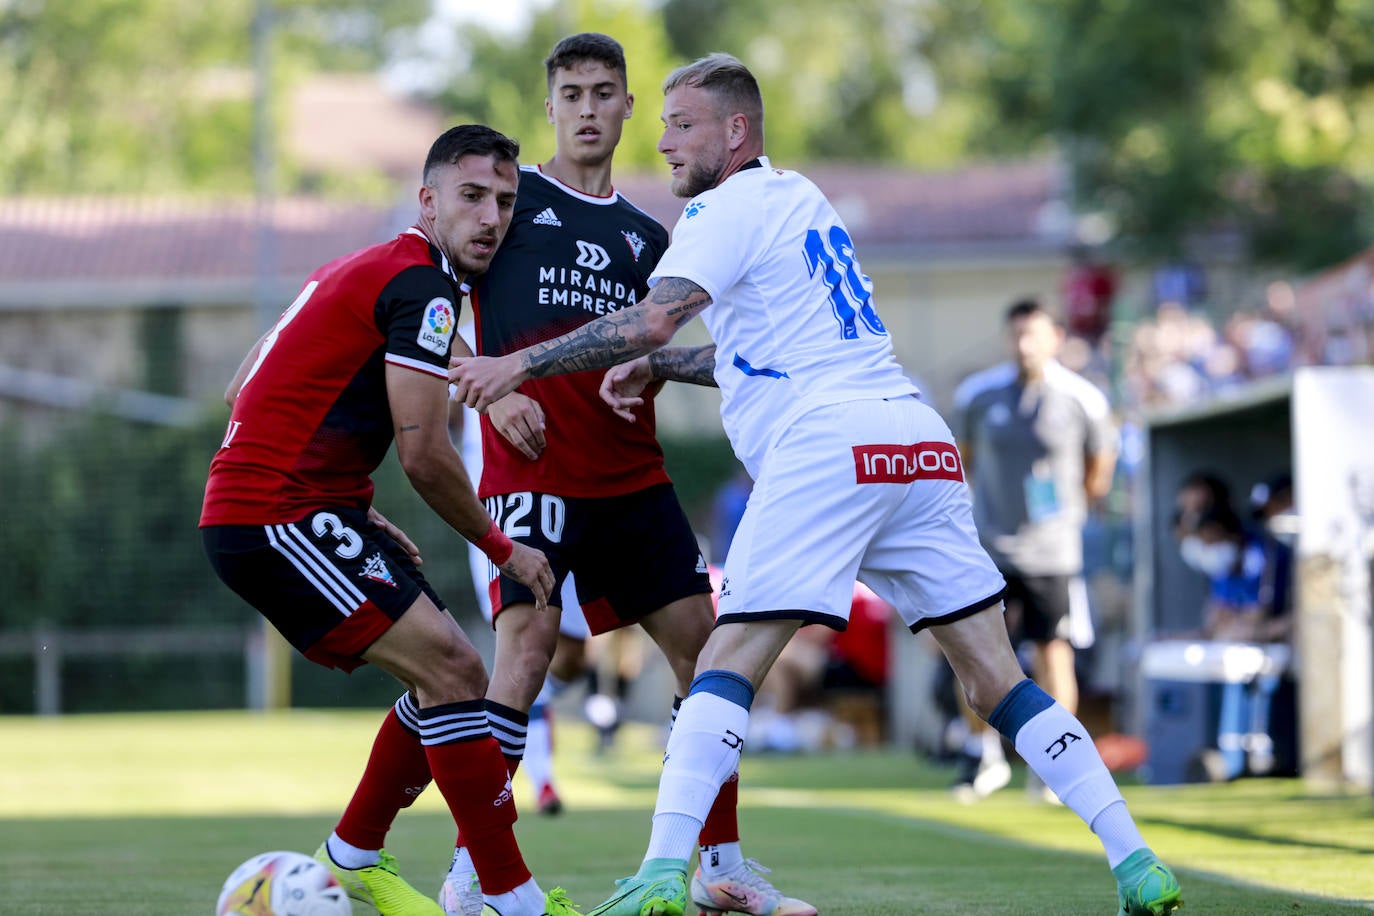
(470, 140)
(586, 46)
(1218, 491)
(1026, 307)
(1223, 517)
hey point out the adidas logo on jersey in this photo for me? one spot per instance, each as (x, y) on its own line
(547, 217)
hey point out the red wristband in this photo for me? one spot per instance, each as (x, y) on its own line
(495, 545)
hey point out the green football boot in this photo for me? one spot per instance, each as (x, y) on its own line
(380, 886)
(658, 889)
(1145, 886)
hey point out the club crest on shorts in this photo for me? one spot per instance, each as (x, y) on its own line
(436, 329)
(375, 568)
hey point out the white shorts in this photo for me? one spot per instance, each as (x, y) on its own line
(872, 490)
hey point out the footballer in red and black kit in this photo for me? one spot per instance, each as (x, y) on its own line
(307, 432)
(567, 259)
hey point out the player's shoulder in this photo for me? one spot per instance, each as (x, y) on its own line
(1080, 389)
(637, 214)
(408, 255)
(983, 382)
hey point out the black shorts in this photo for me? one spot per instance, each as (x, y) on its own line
(331, 582)
(631, 554)
(1044, 603)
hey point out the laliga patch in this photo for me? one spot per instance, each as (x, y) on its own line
(374, 568)
(436, 328)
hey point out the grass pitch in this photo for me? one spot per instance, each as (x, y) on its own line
(145, 815)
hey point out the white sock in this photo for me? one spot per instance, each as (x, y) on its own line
(346, 855)
(720, 858)
(1061, 752)
(462, 863)
(538, 761)
(1117, 830)
(525, 900)
(992, 747)
(703, 750)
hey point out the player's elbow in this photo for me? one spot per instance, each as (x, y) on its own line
(425, 468)
(659, 329)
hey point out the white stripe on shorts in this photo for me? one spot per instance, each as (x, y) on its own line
(316, 568)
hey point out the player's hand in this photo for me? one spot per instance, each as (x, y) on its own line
(520, 420)
(480, 380)
(396, 534)
(530, 568)
(623, 387)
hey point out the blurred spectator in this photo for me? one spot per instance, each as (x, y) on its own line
(1247, 603)
(1181, 283)
(727, 508)
(1199, 492)
(1088, 290)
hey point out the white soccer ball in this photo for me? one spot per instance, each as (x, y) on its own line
(282, 884)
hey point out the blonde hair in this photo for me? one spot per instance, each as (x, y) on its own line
(728, 80)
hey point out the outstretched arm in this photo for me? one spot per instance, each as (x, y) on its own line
(624, 385)
(612, 339)
(696, 365)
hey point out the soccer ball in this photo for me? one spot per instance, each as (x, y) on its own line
(282, 884)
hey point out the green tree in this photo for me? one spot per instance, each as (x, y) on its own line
(504, 83)
(857, 97)
(839, 81)
(1176, 115)
(139, 95)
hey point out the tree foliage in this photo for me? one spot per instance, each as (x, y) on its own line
(851, 100)
(142, 95)
(504, 84)
(1178, 115)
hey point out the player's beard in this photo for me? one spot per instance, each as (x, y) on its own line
(699, 177)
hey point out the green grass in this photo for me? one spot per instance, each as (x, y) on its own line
(146, 814)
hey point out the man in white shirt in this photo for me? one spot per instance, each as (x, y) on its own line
(854, 476)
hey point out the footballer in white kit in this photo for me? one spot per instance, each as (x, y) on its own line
(854, 475)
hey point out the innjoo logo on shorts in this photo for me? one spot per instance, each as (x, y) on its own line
(905, 463)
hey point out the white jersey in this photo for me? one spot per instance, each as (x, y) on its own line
(792, 313)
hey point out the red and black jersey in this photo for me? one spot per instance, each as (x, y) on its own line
(567, 259)
(312, 421)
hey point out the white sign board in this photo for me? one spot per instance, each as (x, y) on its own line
(1333, 451)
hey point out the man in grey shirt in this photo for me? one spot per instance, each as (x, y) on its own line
(1039, 446)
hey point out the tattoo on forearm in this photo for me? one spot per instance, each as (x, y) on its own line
(596, 345)
(411, 428)
(683, 298)
(617, 337)
(696, 365)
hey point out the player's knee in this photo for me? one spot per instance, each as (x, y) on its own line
(531, 656)
(451, 673)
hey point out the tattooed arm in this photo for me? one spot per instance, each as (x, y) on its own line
(599, 344)
(623, 387)
(685, 364)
